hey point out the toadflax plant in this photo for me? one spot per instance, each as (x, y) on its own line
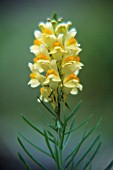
(55, 70)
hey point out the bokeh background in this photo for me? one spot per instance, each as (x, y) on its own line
(94, 23)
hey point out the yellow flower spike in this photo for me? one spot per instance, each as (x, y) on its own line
(37, 42)
(71, 41)
(56, 62)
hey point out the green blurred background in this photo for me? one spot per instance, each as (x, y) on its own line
(94, 23)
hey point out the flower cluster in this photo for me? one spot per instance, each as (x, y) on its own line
(56, 63)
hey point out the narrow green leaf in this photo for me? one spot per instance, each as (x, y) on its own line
(109, 166)
(72, 123)
(93, 129)
(79, 126)
(92, 157)
(62, 136)
(74, 111)
(68, 106)
(34, 127)
(76, 149)
(68, 135)
(57, 156)
(51, 135)
(31, 124)
(53, 127)
(46, 106)
(37, 162)
(48, 144)
(90, 167)
(37, 147)
(23, 161)
(89, 149)
(73, 151)
(72, 164)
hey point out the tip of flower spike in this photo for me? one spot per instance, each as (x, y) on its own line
(55, 17)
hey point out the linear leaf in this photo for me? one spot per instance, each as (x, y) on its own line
(23, 161)
(68, 134)
(48, 144)
(50, 134)
(37, 147)
(46, 106)
(109, 166)
(76, 149)
(34, 127)
(89, 149)
(74, 111)
(79, 126)
(53, 127)
(62, 137)
(37, 162)
(57, 156)
(67, 106)
(92, 157)
(31, 124)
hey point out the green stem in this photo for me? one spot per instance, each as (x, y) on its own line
(58, 114)
(60, 139)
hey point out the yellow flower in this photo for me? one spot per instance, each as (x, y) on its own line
(71, 42)
(35, 68)
(37, 42)
(48, 95)
(52, 79)
(42, 61)
(71, 64)
(47, 33)
(70, 81)
(71, 84)
(46, 28)
(45, 94)
(62, 28)
(36, 77)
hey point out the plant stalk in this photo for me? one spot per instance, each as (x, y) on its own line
(60, 139)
